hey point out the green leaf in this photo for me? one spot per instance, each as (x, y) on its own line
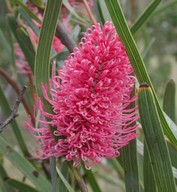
(72, 11)
(173, 155)
(92, 180)
(23, 40)
(156, 144)
(130, 161)
(66, 173)
(42, 60)
(24, 166)
(169, 104)
(165, 7)
(145, 15)
(33, 26)
(28, 20)
(6, 111)
(147, 49)
(111, 180)
(172, 125)
(68, 186)
(97, 11)
(136, 59)
(20, 185)
(8, 45)
(103, 11)
(54, 178)
(75, 33)
(30, 13)
(39, 3)
(117, 167)
(130, 165)
(5, 187)
(149, 180)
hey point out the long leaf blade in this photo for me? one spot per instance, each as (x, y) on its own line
(130, 164)
(68, 186)
(145, 15)
(149, 180)
(42, 59)
(24, 166)
(169, 104)
(20, 185)
(92, 180)
(54, 178)
(23, 40)
(156, 144)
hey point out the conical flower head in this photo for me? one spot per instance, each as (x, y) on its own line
(90, 96)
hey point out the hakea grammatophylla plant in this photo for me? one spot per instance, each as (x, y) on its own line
(91, 118)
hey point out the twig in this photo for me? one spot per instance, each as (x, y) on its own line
(64, 37)
(17, 90)
(133, 10)
(9, 8)
(14, 112)
(89, 12)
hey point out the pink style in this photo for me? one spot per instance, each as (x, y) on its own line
(90, 118)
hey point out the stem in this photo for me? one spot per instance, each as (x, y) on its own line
(78, 178)
(17, 90)
(14, 112)
(133, 10)
(64, 37)
(9, 8)
(89, 12)
(31, 86)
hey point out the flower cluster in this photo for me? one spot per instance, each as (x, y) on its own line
(90, 98)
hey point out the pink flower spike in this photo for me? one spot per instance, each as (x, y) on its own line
(90, 98)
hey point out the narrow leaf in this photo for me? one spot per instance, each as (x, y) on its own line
(5, 187)
(68, 186)
(149, 180)
(66, 173)
(129, 159)
(28, 20)
(165, 7)
(31, 14)
(72, 11)
(54, 178)
(20, 185)
(104, 14)
(169, 104)
(156, 144)
(145, 16)
(23, 40)
(39, 3)
(92, 180)
(24, 166)
(42, 60)
(117, 167)
(130, 162)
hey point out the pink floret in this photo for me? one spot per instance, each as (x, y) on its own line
(90, 118)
